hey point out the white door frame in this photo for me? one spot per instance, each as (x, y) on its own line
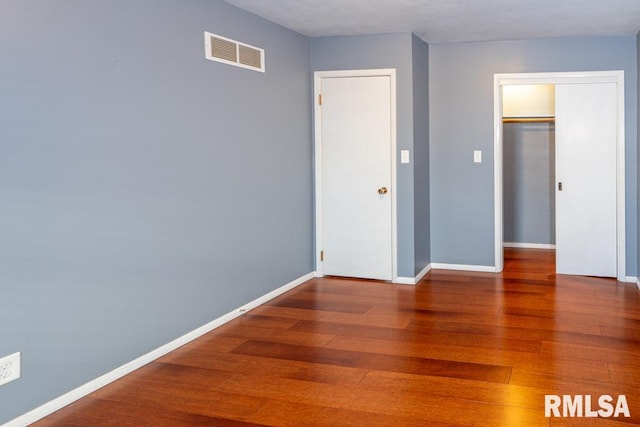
(318, 76)
(560, 78)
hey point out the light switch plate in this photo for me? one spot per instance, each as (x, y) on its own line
(404, 156)
(477, 156)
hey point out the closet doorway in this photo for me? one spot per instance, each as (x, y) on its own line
(578, 184)
(528, 127)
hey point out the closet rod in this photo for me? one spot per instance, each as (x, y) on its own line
(547, 119)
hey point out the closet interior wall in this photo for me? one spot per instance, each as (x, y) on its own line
(529, 178)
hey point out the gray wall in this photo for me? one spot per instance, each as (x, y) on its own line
(421, 216)
(461, 120)
(383, 51)
(132, 179)
(529, 179)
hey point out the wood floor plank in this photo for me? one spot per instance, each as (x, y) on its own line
(453, 353)
(253, 319)
(322, 305)
(438, 409)
(289, 336)
(279, 413)
(98, 412)
(386, 382)
(603, 354)
(206, 402)
(624, 373)
(558, 383)
(433, 337)
(221, 343)
(349, 358)
(457, 349)
(379, 319)
(517, 321)
(563, 366)
(298, 391)
(228, 364)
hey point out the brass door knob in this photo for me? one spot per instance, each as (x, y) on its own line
(382, 190)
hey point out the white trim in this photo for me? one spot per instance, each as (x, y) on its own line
(317, 110)
(638, 283)
(560, 78)
(423, 273)
(497, 175)
(80, 392)
(413, 280)
(528, 245)
(271, 295)
(405, 281)
(629, 279)
(464, 267)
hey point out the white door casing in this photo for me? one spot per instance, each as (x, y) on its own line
(562, 78)
(355, 157)
(586, 172)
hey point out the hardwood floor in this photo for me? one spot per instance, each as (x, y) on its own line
(457, 349)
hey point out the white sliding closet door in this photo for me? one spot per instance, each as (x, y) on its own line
(586, 138)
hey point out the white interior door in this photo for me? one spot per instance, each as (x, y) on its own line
(586, 137)
(356, 176)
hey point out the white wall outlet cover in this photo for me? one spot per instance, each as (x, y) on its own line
(404, 156)
(477, 156)
(9, 368)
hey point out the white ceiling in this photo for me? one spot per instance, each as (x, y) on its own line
(444, 21)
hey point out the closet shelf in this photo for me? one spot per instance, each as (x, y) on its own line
(539, 119)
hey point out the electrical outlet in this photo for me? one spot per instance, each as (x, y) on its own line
(9, 368)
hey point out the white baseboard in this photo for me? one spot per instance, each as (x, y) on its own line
(271, 295)
(413, 280)
(528, 245)
(629, 279)
(423, 273)
(80, 392)
(638, 283)
(405, 281)
(464, 267)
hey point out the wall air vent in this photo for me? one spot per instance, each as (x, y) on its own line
(227, 51)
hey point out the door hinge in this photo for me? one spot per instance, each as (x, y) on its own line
(321, 255)
(320, 99)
